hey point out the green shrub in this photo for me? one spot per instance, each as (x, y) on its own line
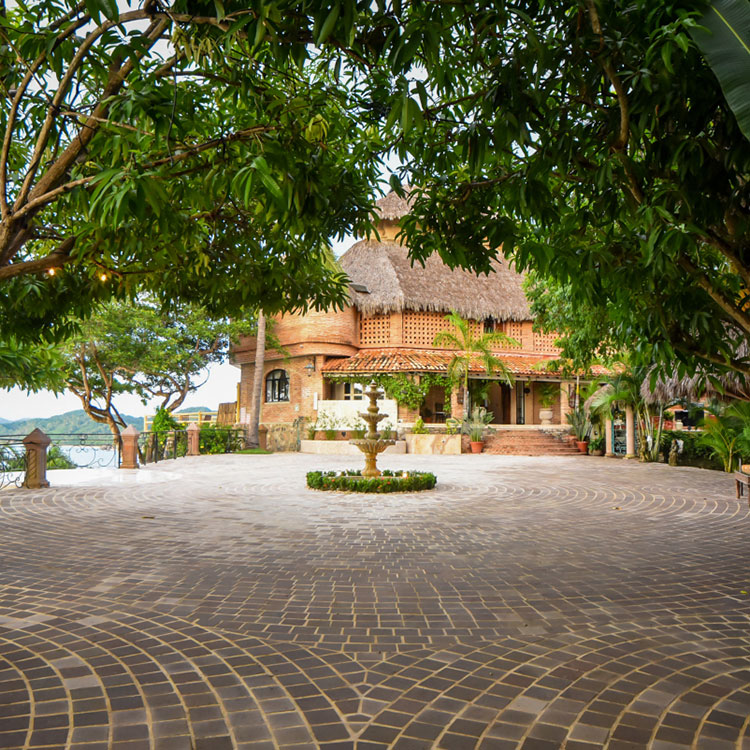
(596, 444)
(164, 421)
(419, 428)
(56, 459)
(694, 451)
(353, 481)
(215, 439)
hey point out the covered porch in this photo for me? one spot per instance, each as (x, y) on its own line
(536, 398)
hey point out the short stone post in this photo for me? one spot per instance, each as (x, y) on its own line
(608, 438)
(170, 445)
(629, 433)
(129, 457)
(193, 439)
(36, 444)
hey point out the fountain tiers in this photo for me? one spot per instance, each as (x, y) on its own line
(372, 443)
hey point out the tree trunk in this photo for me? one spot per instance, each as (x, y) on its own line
(253, 439)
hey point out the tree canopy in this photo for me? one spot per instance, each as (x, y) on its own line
(589, 141)
(137, 348)
(194, 150)
(206, 150)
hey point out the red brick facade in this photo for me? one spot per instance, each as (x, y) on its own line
(311, 341)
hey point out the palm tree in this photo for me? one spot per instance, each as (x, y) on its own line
(471, 347)
(625, 389)
(253, 439)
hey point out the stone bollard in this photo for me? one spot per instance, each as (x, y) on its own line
(193, 439)
(170, 444)
(36, 444)
(129, 457)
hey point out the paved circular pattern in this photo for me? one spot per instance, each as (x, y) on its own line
(527, 603)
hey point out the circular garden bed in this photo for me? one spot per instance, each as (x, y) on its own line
(389, 481)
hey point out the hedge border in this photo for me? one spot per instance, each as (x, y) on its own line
(353, 481)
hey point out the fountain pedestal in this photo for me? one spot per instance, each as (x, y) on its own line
(372, 443)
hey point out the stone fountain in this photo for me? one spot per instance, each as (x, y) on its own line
(372, 443)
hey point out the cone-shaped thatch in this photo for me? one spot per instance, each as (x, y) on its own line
(694, 388)
(392, 207)
(394, 284)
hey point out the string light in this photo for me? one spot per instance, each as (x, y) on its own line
(103, 277)
(51, 271)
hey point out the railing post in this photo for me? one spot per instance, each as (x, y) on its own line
(36, 444)
(129, 448)
(193, 439)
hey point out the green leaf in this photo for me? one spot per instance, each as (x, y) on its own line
(725, 43)
(328, 24)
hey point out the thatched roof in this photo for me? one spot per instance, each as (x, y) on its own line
(394, 284)
(670, 389)
(392, 207)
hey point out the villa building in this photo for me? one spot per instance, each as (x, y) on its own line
(395, 311)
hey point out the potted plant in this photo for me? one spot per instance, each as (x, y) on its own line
(476, 426)
(579, 421)
(386, 431)
(596, 447)
(419, 428)
(547, 395)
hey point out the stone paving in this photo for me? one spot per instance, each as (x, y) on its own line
(532, 603)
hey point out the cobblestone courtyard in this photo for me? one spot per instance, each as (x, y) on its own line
(214, 603)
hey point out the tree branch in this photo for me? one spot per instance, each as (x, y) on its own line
(622, 98)
(56, 259)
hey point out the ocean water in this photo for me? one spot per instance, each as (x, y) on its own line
(91, 456)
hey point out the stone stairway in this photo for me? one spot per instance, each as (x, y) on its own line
(527, 443)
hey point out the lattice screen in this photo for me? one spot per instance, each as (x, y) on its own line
(420, 328)
(375, 331)
(514, 330)
(545, 343)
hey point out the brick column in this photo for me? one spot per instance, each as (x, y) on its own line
(193, 439)
(129, 457)
(629, 433)
(608, 438)
(36, 444)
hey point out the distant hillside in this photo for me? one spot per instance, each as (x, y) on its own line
(72, 422)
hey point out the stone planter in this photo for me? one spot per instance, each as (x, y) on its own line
(545, 416)
(599, 452)
(476, 446)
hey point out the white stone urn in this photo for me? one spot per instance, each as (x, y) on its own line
(545, 416)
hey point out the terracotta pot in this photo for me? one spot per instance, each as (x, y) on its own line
(582, 445)
(476, 447)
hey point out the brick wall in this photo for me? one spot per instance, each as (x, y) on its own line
(325, 332)
(302, 390)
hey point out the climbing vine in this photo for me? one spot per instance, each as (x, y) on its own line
(404, 389)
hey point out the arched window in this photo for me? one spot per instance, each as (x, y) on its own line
(277, 386)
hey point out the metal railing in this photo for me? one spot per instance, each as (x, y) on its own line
(83, 451)
(12, 461)
(160, 446)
